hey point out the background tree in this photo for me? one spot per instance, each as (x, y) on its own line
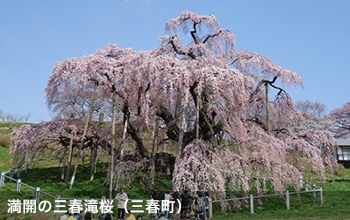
(53, 140)
(9, 117)
(314, 115)
(308, 107)
(341, 116)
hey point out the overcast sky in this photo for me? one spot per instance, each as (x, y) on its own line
(311, 38)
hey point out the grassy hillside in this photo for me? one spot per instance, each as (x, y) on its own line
(5, 133)
(336, 196)
(46, 175)
(4, 159)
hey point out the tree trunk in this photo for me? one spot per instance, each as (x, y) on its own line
(267, 105)
(139, 143)
(69, 161)
(92, 163)
(111, 168)
(88, 118)
(181, 133)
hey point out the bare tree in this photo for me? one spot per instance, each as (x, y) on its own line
(9, 117)
(314, 115)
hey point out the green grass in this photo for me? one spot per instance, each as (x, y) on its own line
(5, 162)
(336, 206)
(6, 129)
(5, 132)
(336, 196)
(48, 179)
(46, 174)
(11, 125)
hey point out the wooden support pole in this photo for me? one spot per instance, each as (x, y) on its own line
(267, 104)
(124, 137)
(69, 161)
(111, 168)
(197, 118)
(64, 165)
(88, 119)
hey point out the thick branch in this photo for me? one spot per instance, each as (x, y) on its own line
(211, 36)
(269, 82)
(179, 51)
(139, 143)
(206, 125)
(194, 32)
(173, 130)
(133, 133)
